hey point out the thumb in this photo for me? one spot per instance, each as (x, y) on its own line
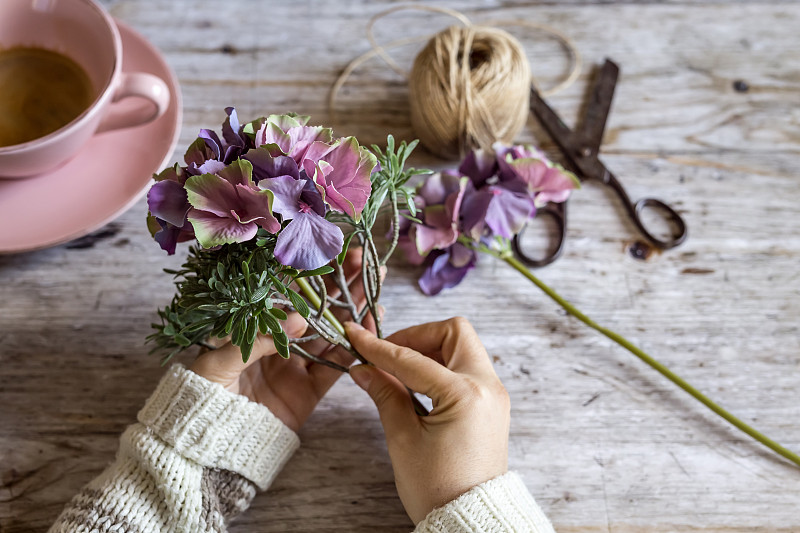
(390, 396)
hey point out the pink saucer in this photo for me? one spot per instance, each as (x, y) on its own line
(104, 180)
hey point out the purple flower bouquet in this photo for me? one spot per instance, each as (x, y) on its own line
(271, 204)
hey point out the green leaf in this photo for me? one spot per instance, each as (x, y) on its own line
(321, 271)
(277, 284)
(246, 272)
(229, 325)
(299, 303)
(247, 349)
(263, 327)
(252, 331)
(272, 323)
(412, 219)
(182, 340)
(410, 205)
(283, 349)
(345, 246)
(280, 337)
(237, 336)
(280, 314)
(259, 294)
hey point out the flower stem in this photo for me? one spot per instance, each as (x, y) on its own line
(395, 226)
(666, 372)
(316, 301)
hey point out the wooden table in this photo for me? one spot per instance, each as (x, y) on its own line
(603, 442)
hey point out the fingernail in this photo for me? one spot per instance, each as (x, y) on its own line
(361, 376)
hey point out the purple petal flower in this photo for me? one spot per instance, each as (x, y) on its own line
(212, 142)
(168, 236)
(437, 187)
(212, 166)
(212, 230)
(272, 136)
(227, 207)
(167, 201)
(198, 153)
(548, 181)
(265, 165)
(502, 211)
(287, 192)
(408, 244)
(443, 194)
(308, 241)
(309, 142)
(168, 206)
(232, 145)
(312, 198)
(346, 186)
(231, 129)
(479, 166)
(442, 273)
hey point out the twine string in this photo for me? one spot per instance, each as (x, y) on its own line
(469, 85)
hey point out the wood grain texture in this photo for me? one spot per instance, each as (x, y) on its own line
(604, 443)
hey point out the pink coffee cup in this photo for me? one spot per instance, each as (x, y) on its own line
(86, 33)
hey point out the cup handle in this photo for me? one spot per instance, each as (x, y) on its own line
(142, 85)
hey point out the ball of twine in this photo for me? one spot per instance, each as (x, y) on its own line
(469, 88)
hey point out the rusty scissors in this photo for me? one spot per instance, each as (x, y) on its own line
(580, 148)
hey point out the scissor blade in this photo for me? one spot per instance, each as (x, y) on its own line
(594, 122)
(551, 122)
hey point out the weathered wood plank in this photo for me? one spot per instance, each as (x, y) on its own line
(603, 441)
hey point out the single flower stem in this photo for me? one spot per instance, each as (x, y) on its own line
(395, 226)
(666, 372)
(319, 360)
(316, 301)
(341, 281)
(376, 278)
(323, 292)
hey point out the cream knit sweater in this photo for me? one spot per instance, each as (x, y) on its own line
(199, 453)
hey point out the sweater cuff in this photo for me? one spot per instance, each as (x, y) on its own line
(218, 429)
(502, 504)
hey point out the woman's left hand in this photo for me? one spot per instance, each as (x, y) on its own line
(291, 388)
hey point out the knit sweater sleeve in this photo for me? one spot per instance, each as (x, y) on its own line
(501, 505)
(194, 460)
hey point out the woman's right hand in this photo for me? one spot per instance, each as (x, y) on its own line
(463, 442)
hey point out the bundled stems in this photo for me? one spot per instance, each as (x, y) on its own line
(337, 334)
(512, 261)
(341, 281)
(296, 349)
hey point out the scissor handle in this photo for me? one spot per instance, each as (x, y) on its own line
(557, 212)
(677, 237)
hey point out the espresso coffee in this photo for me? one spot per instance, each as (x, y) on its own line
(40, 91)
